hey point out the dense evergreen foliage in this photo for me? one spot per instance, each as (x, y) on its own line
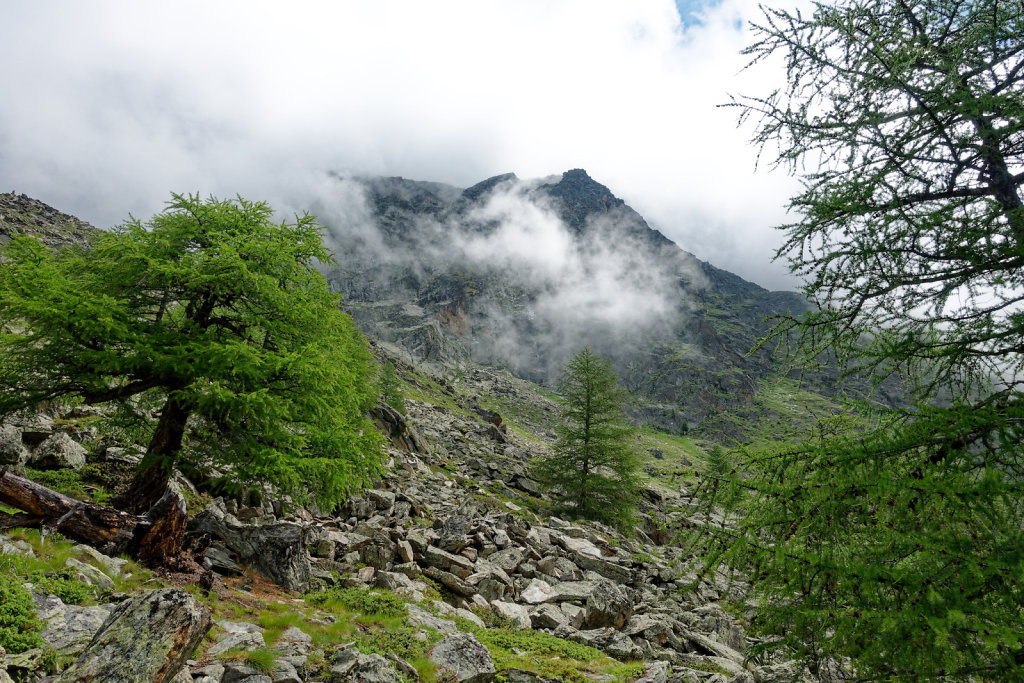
(214, 318)
(592, 471)
(898, 539)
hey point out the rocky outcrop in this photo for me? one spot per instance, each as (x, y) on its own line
(276, 551)
(462, 656)
(146, 639)
(22, 215)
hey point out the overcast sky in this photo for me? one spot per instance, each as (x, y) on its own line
(109, 106)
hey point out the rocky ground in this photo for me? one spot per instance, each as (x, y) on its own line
(449, 569)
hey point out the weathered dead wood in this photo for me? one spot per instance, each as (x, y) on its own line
(155, 537)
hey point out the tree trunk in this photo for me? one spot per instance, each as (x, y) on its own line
(156, 538)
(149, 485)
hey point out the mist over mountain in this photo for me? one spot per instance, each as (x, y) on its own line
(523, 273)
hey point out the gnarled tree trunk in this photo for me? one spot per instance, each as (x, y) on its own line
(155, 537)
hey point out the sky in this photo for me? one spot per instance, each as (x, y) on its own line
(110, 106)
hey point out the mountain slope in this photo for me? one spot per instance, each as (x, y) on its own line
(522, 274)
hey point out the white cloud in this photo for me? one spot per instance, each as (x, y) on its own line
(109, 106)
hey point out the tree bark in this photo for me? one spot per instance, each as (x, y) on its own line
(149, 485)
(156, 537)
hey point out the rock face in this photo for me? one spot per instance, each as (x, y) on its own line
(439, 311)
(20, 215)
(146, 639)
(276, 551)
(465, 657)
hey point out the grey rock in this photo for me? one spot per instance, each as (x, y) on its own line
(522, 676)
(114, 565)
(276, 551)
(450, 581)
(351, 665)
(146, 639)
(68, 628)
(221, 562)
(608, 570)
(508, 559)
(537, 592)
(549, 616)
(236, 641)
(465, 657)
(456, 564)
(86, 573)
(58, 451)
(239, 673)
(518, 614)
(608, 605)
(655, 672)
(12, 449)
(421, 618)
(383, 500)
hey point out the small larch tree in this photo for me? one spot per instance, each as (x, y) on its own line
(212, 316)
(592, 471)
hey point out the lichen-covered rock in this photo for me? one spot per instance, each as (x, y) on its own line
(146, 639)
(12, 449)
(519, 615)
(4, 678)
(68, 628)
(276, 551)
(59, 451)
(351, 665)
(608, 605)
(465, 657)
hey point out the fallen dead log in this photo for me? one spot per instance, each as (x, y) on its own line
(155, 537)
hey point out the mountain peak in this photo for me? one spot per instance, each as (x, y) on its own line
(581, 196)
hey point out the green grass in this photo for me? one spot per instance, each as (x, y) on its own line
(781, 410)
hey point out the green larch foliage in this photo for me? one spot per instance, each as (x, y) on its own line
(592, 471)
(391, 387)
(896, 538)
(217, 316)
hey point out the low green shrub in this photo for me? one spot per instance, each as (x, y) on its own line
(362, 600)
(64, 585)
(19, 628)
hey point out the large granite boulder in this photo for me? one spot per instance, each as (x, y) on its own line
(58, 451)
(608, 605)
(146, 639)
(464, 657)
(276, 551)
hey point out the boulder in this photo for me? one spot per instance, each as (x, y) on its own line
(464, 657)
(549, 616)
(508, 559)
(12, 449)
(146, 639)
(421, 618)
(352, 665)
(517, 614)
(537, 592)
(607, 605)
(68, 628)
(276, 551)
(58, 451)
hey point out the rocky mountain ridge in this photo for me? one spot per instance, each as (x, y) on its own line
(512, 273)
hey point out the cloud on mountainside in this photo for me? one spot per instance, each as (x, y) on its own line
(111, 105)
(603, 289)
